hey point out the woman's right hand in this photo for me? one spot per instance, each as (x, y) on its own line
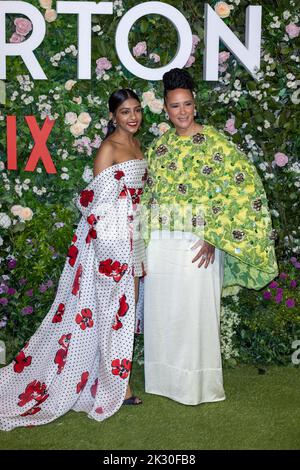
(206, 253)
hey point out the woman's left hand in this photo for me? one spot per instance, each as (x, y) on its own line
(206, 253)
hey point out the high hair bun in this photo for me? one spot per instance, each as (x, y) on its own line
(177, 78)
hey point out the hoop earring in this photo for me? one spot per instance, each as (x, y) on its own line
(167, 116)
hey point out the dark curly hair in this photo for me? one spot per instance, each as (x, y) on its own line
(115, 100)
(177, 78)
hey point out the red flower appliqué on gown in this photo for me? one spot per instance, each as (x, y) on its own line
(119, 174)
(72, 255)
(59, 313)
(61, 354)
(21, 361)
(65, 340)
(85, 318)
(123, 309)
(76, 283)
(121, 368)
(112, 269)
(92, 234)
(35, 390)
(94, 388)
(118, 324)
(86, 197)
(84, 378)
(35, 409)
(134, 193)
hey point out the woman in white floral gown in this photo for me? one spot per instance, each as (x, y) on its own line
(80, 356)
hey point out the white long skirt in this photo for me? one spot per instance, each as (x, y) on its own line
(182, 323)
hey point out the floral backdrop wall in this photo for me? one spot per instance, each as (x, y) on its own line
(260, 114)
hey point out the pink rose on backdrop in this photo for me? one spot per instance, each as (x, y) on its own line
(156, 106)
(23, 26)
(280, 159)
(96, 142)
(190, 61)
(196, 41)
(140, 49)
(230, 126)
(293, 30)
(46, 4)
(102, 64)
(223, 58)
(50, 15)
(15, 38)
(223, 9)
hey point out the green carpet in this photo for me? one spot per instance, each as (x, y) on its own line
(260, 412)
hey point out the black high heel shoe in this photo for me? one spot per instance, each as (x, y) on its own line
(133, 400)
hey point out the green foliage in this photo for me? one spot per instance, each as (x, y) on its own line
(268, 327)
(40, 250)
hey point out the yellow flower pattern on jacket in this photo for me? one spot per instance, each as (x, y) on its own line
(208, 171)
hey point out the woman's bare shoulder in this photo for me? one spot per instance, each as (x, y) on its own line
(104, 157)
(105, 150)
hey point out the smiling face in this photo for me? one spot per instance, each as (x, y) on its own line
(180, 106)
(129, 116)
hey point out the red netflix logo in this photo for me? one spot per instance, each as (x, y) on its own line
(39, 151)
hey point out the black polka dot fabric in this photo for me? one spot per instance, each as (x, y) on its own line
(80, 356)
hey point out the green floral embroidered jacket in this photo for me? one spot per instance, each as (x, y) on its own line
(205, 185)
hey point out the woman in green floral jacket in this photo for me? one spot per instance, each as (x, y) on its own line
(209, 228)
